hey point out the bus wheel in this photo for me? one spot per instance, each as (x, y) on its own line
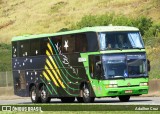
(44, 95)
(34, 95)
(67, 99)
(80, 99)
(124, 98)
(86, 94)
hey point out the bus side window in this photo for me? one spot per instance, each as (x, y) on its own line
(57, 41)
(24, 47)
(91, 65)
(95, 66)
(92, 42)
(14, 49)
(81, 43)
(43, 45)
(68, 44)
(35, 47)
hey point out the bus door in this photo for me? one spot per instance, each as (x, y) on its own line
(96, 73)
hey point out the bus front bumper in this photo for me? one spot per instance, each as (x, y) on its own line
(112, 92)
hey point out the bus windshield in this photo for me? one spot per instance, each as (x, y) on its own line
(123, 66)
(120, 40)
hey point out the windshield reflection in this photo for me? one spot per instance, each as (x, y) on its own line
(136, 65)
(123, 66)
(120, 40)
(114, 66)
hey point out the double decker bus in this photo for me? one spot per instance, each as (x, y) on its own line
(89, 63)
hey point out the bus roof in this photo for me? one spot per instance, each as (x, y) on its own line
(86, 29)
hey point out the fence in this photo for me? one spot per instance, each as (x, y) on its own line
(6, 79)
(6, 83)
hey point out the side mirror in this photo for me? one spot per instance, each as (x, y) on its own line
(148, 65)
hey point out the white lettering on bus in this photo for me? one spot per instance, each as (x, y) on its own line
(65, 60)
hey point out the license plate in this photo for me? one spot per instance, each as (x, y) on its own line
(128, 91)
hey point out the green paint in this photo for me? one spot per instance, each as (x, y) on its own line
(100, 87)
(54, 89)
(87, 29)
(61, 63)
(123, 51)
(70, 93)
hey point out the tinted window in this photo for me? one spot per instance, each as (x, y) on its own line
(57, 42)
(68, 44)
(14, 49)
(81, 43)
(95, 66)
(24, 47)
(120, 40)
(35, 47)
(43, 45)
(92, 41)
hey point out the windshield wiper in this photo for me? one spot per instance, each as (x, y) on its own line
(135, 47)
(119, 48)
(118, 76)
(112, 49)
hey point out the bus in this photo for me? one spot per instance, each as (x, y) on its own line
(84, 64)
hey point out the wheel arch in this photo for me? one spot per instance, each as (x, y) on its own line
(82, 84)
(81, 87)
(40, 85)
(30, 86)
(37, 86)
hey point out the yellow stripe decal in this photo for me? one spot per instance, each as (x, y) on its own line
(45, 75)
(51, 76)
(49, 46)
(50, 66)
(53, 62)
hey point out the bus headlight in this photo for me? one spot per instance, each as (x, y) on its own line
(143, 84)
(111, 86)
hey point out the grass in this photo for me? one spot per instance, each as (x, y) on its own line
(153, 55)
(5, 57)
(83, 108)
(87, 112)
(21, 17)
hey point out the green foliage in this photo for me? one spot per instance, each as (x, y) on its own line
(63, 30)
(5, 57)
(152, 36)
(144, 24)
(4, 46)
(149, 31)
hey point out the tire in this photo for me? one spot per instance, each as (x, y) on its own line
(124, 98)
(44, 95)
(80, 99)
(34, 95)
(86, 94)
(67, 99)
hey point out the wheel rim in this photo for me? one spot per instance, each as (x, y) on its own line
(33, 95)
(43, 94)
(86, 93)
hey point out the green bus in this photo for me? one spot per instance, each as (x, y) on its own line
(89, 63)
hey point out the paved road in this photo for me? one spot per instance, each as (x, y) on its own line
(111, 101)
